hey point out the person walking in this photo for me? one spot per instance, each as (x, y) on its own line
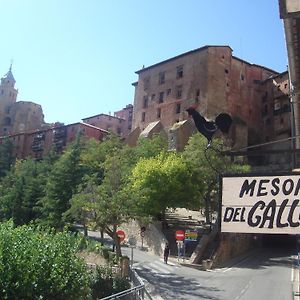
(166, 253)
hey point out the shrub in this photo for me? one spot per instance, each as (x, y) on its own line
(104, 282)
(40, 264)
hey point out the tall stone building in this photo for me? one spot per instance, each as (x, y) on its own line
(212, 78)
(16, 117)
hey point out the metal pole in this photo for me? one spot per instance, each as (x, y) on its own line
(131, 263)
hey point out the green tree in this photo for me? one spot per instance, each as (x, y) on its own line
(206, 164)
(150, 147)
(21, 190)
(162, 182)
(6, 158)
(62, 183)
(39, 264)
(94, 154)
(108, 205)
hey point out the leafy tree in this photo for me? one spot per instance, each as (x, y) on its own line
(162, 182)
(21, 190)
(150, 147)
(39, 264)
(6, 159)
(108, 205)
(94, 154)
(62, 183)
(207, 164)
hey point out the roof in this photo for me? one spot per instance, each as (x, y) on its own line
(9, 76)
(181, 55)
(194, 51)
(102, 115)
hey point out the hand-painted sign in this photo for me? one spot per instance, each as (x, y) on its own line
(261, 204)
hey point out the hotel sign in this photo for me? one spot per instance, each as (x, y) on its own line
(261, 204)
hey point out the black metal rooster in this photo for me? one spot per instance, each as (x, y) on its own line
(208, 128)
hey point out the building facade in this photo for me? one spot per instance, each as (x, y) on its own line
(39, 143)
(120, 123)
(17, 117)
(210, 77)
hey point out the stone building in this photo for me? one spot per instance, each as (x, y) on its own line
(126, 114)
(39, 143)
(16, 117)
(119, 124)
(210, 77)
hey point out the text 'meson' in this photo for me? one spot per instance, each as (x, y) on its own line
(261, 204)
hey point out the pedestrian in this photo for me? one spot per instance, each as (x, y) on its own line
(166, 253)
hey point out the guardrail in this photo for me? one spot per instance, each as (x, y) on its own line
(137, 292)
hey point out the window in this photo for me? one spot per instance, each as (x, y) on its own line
(179, 91)
(226, 71)
(161, 97)
(179, 72)
(242, 77)
(145, 103)
(143, 116)
(169, 92)
(2, 92)
(161, 77)
(119, 131)
(158, 113)
(178, 108)
(146, 82)
(152, 96)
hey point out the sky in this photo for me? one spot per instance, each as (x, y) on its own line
(78, 58)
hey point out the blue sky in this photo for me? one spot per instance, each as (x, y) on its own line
(78, 58)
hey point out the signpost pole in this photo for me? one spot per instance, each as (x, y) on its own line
(131, 262)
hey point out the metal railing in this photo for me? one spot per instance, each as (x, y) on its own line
(137, 292)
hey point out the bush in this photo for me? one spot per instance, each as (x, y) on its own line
(39, 264)
(105, 282)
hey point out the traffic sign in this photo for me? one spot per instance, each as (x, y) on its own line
(179, 235)
(121, 235)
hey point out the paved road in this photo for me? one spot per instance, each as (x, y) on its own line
(262, 276)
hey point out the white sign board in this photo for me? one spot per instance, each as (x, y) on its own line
(261, 204)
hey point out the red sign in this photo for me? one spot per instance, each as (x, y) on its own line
(179, 235)
(121, 235)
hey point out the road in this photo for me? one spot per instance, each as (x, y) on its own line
(266, 274)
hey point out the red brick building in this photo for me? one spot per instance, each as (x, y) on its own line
(39, 143)
(120, 123)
